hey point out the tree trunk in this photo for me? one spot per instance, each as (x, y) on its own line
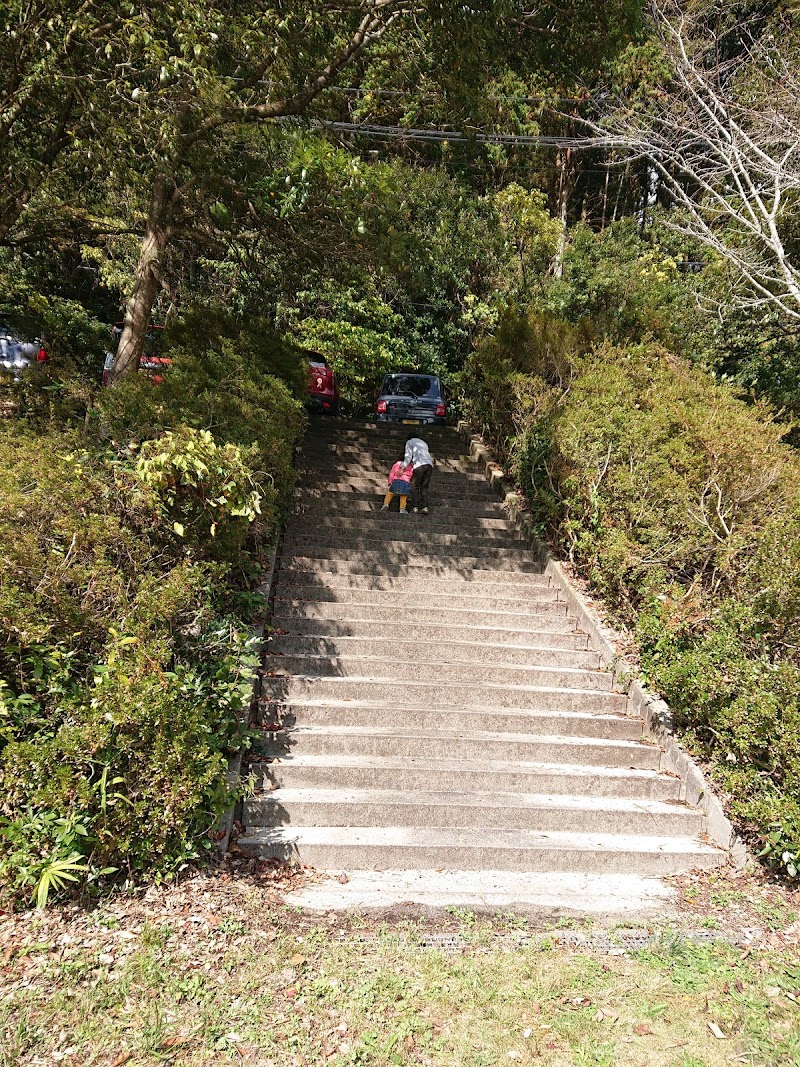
(605, 200)
(564, 184)
(11, 209)
(139, 306)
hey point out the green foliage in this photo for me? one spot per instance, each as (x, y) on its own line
(626, 284)
(124, 683)
(532, 235)
(201, 482)
(680, 504)
(227, 386)
(736, 699)
(43, 852)
(359, 336)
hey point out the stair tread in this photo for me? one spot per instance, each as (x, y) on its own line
(437, 797)
(494, 631)
(443, 709)
(440, 610)
(462, 765)
(427, 734)
(404, 683)
(512, 838)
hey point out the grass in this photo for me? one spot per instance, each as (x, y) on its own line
(253, 986)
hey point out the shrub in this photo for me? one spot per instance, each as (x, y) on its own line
(662, 474)
(738, 705)
(226, 389)
(681, 505)
(127, 528)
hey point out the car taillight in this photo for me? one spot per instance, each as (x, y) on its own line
(381, 407)
(441, 411)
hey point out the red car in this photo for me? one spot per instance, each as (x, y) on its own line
(323, 392)
(152, 364)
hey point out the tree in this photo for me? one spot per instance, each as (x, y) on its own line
(721, 134)
(50, 62)
(218, 71)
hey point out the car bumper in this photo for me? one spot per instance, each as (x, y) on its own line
(322, 405)
(414, 420)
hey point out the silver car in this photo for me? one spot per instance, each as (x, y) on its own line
(16, 354)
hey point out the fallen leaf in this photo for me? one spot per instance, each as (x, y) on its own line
(290, 993)
(642, 1029)
(122, 1059)
(343, 878)
(297, 960)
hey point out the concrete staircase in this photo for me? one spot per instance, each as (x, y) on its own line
(428, 702)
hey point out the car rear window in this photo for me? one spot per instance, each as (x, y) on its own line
(417, 385)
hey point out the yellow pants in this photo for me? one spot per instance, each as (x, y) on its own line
(390, 496)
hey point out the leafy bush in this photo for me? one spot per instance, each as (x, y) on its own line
(120, 687)
(226, 386)
(124, 677)
(681, 504)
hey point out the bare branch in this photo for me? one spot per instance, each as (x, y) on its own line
(723, 140)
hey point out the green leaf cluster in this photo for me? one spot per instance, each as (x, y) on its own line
(680, 503)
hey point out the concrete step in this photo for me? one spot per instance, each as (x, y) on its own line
(490, 810)
(414, 565)
(350, 463)
(422, 632)
(374, 523)
(513, 557)
(384, 446)
(459, 487)
(338, 502)
(431, 704)
(410, 571)
(402, 691)
(407, 740)
(387, 610)
(460, 652)
(336, 446)
(302, 593)
(377, 714)
(441, 497)
(434, 671)
(482, 583)
(415, 547)
(423, 848)
(416, 774)
(400, 534)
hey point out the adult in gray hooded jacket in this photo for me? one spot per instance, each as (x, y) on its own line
(419, 457)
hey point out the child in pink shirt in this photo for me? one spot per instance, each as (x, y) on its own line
(400, 483)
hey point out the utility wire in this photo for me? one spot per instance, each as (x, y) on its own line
(505, 97)
(440, 136)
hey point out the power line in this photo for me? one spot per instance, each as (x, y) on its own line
(505, 97)
(438, 135)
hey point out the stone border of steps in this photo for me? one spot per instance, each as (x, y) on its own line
(233, 772)
(696, 790)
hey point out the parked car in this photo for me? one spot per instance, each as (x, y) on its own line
(152, 363)
(413, 399)
(323, 390)
(18, 353)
